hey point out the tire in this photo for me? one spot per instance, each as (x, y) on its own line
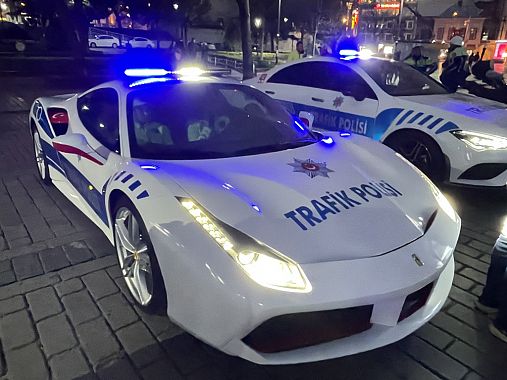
(93, 45)
(129, 46)
(114, 45)
(41, 160)
(421, 150)
(149, 46)
(148, 289)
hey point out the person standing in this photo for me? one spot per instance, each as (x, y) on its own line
(296, 54)
(494, 296)
(454, 68)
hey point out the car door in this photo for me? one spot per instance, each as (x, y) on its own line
(91, 164)
(336, 95)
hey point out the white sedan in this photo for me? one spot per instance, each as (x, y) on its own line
(141, 42)
(451, 137)
(256, 235)
(103, 41)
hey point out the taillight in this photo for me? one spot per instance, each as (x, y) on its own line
(59, 119)
(306, 121)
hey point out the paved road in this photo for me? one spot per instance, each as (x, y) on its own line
(65, 312)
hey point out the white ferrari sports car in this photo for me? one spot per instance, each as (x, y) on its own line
(458, 138)
(256, 235)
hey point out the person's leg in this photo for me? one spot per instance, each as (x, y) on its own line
(499, 326)
(492, 294)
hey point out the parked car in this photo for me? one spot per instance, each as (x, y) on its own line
(141, 42)
(457, 137)
(104, 41)
(257, 235)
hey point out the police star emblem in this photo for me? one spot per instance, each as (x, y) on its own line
(311, 168)
(338, 101)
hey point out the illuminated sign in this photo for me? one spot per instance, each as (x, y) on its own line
(387, 6)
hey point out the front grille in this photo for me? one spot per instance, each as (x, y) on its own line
(415, 301)
(292, 331)
(483, 171)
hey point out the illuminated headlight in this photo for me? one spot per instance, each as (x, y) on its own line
(442, 201)
(261, 263)
(481, 141)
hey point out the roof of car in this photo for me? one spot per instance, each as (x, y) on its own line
(135, 83)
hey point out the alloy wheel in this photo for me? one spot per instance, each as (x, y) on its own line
(133, 256)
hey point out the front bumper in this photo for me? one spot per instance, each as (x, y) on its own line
(211, 298)
(378, 335)
(470, 167)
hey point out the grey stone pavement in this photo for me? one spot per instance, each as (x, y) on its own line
(65, 312)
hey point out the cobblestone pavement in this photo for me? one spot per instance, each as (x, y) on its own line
(65, 311)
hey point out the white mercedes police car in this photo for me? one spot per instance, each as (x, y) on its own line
(451, 137)
(260, 237)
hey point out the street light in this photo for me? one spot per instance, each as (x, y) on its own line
(285, 19)
(258, 24)
(176, 6)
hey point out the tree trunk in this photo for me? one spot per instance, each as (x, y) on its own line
(246, 38)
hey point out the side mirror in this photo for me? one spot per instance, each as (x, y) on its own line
(65, 143)
(354, 93)
(307, 118)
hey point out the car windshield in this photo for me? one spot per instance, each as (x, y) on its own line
(185, 121)
(399, 79)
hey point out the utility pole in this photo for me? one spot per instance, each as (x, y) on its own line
(278, 31)
(400, 20)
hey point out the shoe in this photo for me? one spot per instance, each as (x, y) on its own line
(484, 308)
(499, 332)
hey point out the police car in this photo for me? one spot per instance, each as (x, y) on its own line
(258, 236)
(458, 138)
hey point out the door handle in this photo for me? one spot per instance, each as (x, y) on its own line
(269, 92)
(318, 100)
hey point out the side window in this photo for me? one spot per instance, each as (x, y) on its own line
(325, 75)
(296, 75)
(338, 77)
(99, 113)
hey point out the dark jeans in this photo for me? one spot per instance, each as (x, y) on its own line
(495, 291)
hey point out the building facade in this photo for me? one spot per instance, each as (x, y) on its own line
(469, 28)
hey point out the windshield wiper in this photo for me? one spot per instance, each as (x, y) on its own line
(274, 147)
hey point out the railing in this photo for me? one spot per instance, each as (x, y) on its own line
(230, 63)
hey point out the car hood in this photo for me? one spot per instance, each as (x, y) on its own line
(266, 196)
(464, 105)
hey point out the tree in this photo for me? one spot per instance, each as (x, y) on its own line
(246, 38)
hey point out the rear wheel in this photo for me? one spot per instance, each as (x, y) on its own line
(114, 45)
(421, 150)
(137, 259)
(40, 159)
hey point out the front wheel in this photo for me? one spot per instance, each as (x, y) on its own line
(137, 259)
(420, 150)
(114, 45)
(93, 45)
(41, 160)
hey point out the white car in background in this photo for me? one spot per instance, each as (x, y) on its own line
(103, 41)
(141, 42)
(258, 236)
(451, 137)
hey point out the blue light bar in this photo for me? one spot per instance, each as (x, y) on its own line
(348, 53)
(149, 80)
(344, 134)
(146, 72)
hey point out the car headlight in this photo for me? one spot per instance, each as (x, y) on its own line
(481, 141)
(442, 201)
(261, 263)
